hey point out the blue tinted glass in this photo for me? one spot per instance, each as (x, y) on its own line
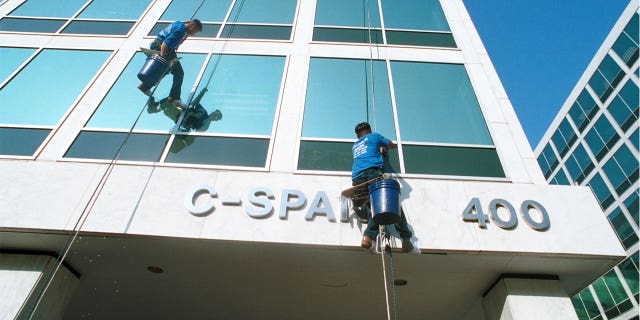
(98, 27)
(123, 103)
(622, 227)
(573, 167)
(619, 110)
(48, 8)
(609, 69)
(210, 11)
(12, 58)
(567, 131)
(436, 103)
(33, 88)
(339, 96)
(581, 156)
(219, 151)
(629, 94)
(589, 303)
(594, 141)
(360, 13)
(632, 27)
(599, 84)
(109, 9)
(633, 205)
(587, 103)
(260, 11)
(106, 145)
(635, 138)
(544, 165)
(605, 129)
(245, 90)
(600, 188)
(21, 142)
(627, 161)
(577, 115)
(415, 15)
(31, 25)
(614, 173)
(561, 178)
(551, 156)
(626, 48)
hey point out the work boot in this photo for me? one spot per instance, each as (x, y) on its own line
(366, 243)
(407, 246)
(144, 90)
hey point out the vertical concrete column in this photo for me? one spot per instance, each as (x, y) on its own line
(523, 298)
(22, 279)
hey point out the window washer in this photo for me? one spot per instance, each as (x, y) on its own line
(367, 166)
(167, 42)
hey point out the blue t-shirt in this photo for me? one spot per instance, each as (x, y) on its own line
(366, 153)
(173, 34)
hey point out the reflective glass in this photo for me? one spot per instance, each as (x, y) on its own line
(635, 138)
(347, 35)
(105, 145)
(245, 90)
(340, 95)
(602, 192)
(620, 111)
(589, 303)
(615, 287)
(600, 85)
(12, 58)
(121, 106)
(629, 268)
(98, 27)
(561, 178)
(544, 166)
(633, 206)
(260, 11)
(219, 151)
(623, 229)
(436, 103)
(48, 8)
(209, 10)
(632, 27)
(426, 39)
(601, 137)
(209, 30)
(31, 25)
(578, 116)
(256, 32)
(109, 9)
(631, 97)
(440, 160)
(626, 48)
(579, 307)
(622, 169)
(34, 86)
(358, 13)
(551, 157)
(628, 162)
(21, 142)
(414, 15)
(326, 156)
(610, 70)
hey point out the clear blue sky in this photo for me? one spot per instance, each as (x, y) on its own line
(541, 48)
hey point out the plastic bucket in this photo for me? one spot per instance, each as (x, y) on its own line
(153, 70)
(385, 201)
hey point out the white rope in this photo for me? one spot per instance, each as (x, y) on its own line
(373, 86)
(381, 237)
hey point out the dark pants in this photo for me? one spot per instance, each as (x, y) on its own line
(362, 206)
(175, 69)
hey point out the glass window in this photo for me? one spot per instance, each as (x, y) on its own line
(564, 137)
(602, 191)
(98, 27)
(589, 303)
(74, 68)
(581, 311)
(635, 139)
(605, 79)
(547, 160)
(256, 32)
(326, 156)
(207, 11)
(48, 8)
(579, 164)
(12, 58)
(109, 9)
(627, 44)
(347, 35)
(623, 229)
(601, 137)
(340, 95)
(436, 103)
(426, 39)
(120, 108)
(414, 15)
(342, 13)
(631, 203)
(260, 11)
(624, 108)
(629, 269)
(207, 150)
(612, 296)
(106, 145)
(440, 160)
(31, 25)
(20, 141)
(622, 169)
(561, 178)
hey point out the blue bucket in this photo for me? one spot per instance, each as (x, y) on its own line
(385, 201)
(153, 70)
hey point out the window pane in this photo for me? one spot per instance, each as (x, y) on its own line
(623, 229)
(600, 85)
(123, 103)
(589, 106)
(438, 160)
(260, 11)
(629, 268)
(361, 14)
(105, 145)
(30, 25)
(602, 137)
(626, 48)
(544, 165)
(589, 303)
(610, 70)
(209, 30)
(414, 15)
(210, 11)
(245, 90)
(551, 157)
(579, 307)
(632, 27)
(256, 32)
(339, 96)
(207, 150)
(48, 8)
(21, 142)
(436, 103)
(12, 58)
(426, 39)
(347, 35)
(632, 205)
(109, 9)
(602, 192)
(595, 143)
(328, 156)
(584, 161)
(606, 300)
(578, 116)
(630, 94)
(98, 27)
(621, 112)
(561, 178)
(74, 68)
(628, 162)
(615, 286)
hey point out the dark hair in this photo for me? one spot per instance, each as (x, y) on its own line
(197, 23)
(363, 126)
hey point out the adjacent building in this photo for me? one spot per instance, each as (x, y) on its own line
(117, 206)
(593, 141)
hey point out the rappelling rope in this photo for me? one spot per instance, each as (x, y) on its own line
(373, 87)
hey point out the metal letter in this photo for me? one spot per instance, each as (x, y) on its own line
(321, 198)
(190, 198)
(285, 204)
(513, 219)
(266, 208)
(479, 216)
(524, 210)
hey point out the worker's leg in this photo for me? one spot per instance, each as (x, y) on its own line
(178, 77)
(403, 227)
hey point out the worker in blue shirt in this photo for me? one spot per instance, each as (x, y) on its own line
(367, 165)
(167, 42)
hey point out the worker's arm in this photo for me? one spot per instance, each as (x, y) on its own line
(164, 50)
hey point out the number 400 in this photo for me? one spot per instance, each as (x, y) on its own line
(473, 212)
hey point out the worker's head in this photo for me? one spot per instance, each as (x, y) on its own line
(362, 129)
(194, 26)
